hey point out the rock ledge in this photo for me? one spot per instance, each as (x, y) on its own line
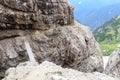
(50, 71)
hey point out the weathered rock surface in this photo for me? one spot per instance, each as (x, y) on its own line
(113, 66)
(49, 27)
(36, 14)
(70, 46)
(50, 71)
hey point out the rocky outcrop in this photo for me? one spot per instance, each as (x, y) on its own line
(48, 26)
(70, 46)
(50, 71)
(113, 66)
(23, 17)
(36, 14)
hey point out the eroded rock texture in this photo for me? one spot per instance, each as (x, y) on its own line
(50, 71)
(70, 46)
(47, 26)
(113, 66)
(37, 14)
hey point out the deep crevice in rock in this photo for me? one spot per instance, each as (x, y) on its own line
(8, 37)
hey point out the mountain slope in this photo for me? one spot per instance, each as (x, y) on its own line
(108, 35)
(109, 31)
(98, 17)
(93, 14)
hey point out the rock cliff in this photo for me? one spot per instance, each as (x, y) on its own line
(49, 27)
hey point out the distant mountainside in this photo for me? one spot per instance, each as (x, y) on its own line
(95, 13)
(109, 31)
(108, 35)
(98, 17)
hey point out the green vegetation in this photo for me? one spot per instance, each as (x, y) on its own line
(57, 72)
(25, 64)
(108, 35)
(109, 47)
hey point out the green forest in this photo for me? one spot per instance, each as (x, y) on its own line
(108, 35)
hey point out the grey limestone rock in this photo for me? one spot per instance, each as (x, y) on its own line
(113, 65)
(49, 27)
(71, 46)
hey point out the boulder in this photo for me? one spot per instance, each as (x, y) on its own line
(71, 46)
(113, 65)
(50, 71)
